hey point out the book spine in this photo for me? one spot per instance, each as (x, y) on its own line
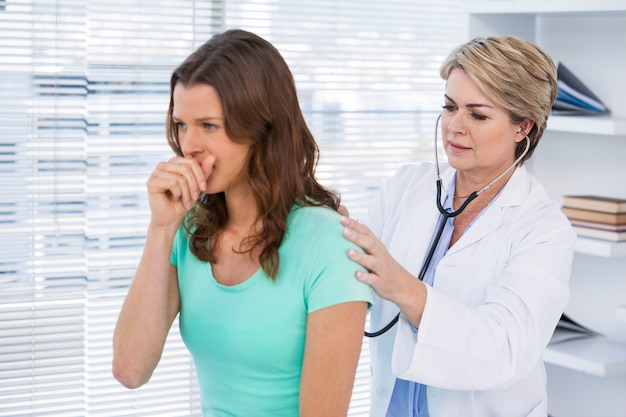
(594, 216)
(600, 234)
(603, 204)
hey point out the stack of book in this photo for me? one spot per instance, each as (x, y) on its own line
(596, 216)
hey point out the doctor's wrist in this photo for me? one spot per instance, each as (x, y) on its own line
(412, 300)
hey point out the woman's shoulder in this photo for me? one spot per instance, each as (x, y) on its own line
(312, 226)
(317, 216)
(313, 230)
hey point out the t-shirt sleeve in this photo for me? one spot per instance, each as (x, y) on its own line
(333, 279)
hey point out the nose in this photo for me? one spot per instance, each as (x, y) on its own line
(190, 143)
(454, 123)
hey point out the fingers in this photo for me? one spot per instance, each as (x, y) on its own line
(359, 234)
(372, 274)
(367, 277)
(383, 273)
(196, 174)
(171, 186)
(345, 220)
(191, 178)
(368, 262)
(374, 256)
(180, 179)
(353, 224)
(362, 236)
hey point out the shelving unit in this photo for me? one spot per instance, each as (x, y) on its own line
(536, 7)
(598, 247)
(594, 355)
(584, 155)
(596, 125)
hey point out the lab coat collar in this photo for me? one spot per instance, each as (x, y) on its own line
(511, 195)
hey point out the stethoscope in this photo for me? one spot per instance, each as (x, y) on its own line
(445, 215)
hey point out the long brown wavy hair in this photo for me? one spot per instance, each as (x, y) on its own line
(260, 104)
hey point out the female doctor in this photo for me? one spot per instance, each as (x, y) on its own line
(493, 270)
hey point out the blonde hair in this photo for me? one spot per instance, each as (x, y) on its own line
(517, 75)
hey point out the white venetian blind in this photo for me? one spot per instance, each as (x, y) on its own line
(367, 73)
(83, 95)
(84, 89)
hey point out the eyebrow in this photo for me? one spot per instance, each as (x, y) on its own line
(201, 119)
(471, 105)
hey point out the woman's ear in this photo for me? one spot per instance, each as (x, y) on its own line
(526, 125)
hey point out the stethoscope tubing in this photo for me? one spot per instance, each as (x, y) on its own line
(445, 215)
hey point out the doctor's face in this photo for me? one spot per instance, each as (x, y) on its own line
(478, 137)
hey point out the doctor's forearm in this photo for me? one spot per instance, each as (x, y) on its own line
(411, 301)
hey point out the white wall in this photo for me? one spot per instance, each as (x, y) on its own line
(594, 48)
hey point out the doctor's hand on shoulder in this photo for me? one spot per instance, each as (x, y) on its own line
(386, 276)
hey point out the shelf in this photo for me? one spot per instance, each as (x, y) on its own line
(598, 125)
(599, 247)
(595, 355)
(542, 6)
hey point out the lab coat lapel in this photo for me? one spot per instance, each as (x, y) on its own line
(424, 220)
(492, 218)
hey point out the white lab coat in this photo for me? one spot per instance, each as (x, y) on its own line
(497, 296)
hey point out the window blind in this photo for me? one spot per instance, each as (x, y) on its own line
(367, 73)
(85, 89)
(83, 96)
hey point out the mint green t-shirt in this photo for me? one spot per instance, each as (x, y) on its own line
(247, 340)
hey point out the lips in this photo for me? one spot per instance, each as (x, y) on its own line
(457, 147)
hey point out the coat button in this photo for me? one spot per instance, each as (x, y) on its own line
(381, 391)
